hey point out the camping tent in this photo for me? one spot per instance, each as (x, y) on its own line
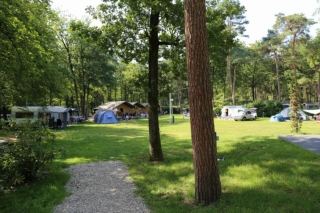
(105, 117)
(286, 113)
(277, 118)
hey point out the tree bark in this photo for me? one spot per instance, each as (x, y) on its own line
(207, 180)
(153, 99)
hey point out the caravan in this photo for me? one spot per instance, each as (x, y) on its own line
(229, 112)
(25, 113)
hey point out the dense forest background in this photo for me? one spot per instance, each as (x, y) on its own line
(48, 58)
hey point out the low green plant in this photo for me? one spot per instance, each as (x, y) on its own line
(26, 160)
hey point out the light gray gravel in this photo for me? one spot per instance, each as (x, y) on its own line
(101, 187)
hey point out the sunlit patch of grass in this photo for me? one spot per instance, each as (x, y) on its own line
(75, 160)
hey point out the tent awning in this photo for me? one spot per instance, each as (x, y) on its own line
(312, 111)
(57, 109)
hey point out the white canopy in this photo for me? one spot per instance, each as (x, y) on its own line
(312, 111)
(57, 109)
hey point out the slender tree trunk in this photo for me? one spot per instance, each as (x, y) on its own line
(66, 46)
(109, 93)
(230, 77)
(253, 81)
(87, 100)
(275, 55)
(160, 105)
(179, 101)
(316, 67)
(207, 180)
(153, 92)
(319, 89)
(294, 57)
(233, 84)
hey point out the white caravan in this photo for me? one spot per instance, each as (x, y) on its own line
(228, 112)
(24, 113)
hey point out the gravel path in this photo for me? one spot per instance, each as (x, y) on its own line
(101, 187)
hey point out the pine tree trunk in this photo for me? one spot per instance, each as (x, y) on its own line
(318, 89)
(207, 180)
(278, 76)
(154, 132)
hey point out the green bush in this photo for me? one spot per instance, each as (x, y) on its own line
(27, 159)
(217, 111)
(175, 109)
(266, 108)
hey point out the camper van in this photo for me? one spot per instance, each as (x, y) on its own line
(22, 114)
(228, 112)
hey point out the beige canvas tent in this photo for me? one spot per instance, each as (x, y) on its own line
(121, 107)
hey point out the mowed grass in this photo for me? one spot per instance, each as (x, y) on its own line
(260, 173)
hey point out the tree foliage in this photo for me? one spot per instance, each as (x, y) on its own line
(28, 49)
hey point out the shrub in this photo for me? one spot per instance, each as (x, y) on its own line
(217, 111)
(175, 109)
(27, 159)
(266, 108)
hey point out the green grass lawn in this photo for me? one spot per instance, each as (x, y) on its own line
(260, 173)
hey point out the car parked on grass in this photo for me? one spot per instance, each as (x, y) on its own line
(246, 115)
(253, 112)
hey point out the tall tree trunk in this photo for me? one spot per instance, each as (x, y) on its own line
(160, 106)
(230, 77)
(253, 81)
(179, 101)
(87, 100)
(71, 67)
(275, 55)
(207, 180)
(233, 84)
(294, 57)
(319, 89)
(153, 92)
